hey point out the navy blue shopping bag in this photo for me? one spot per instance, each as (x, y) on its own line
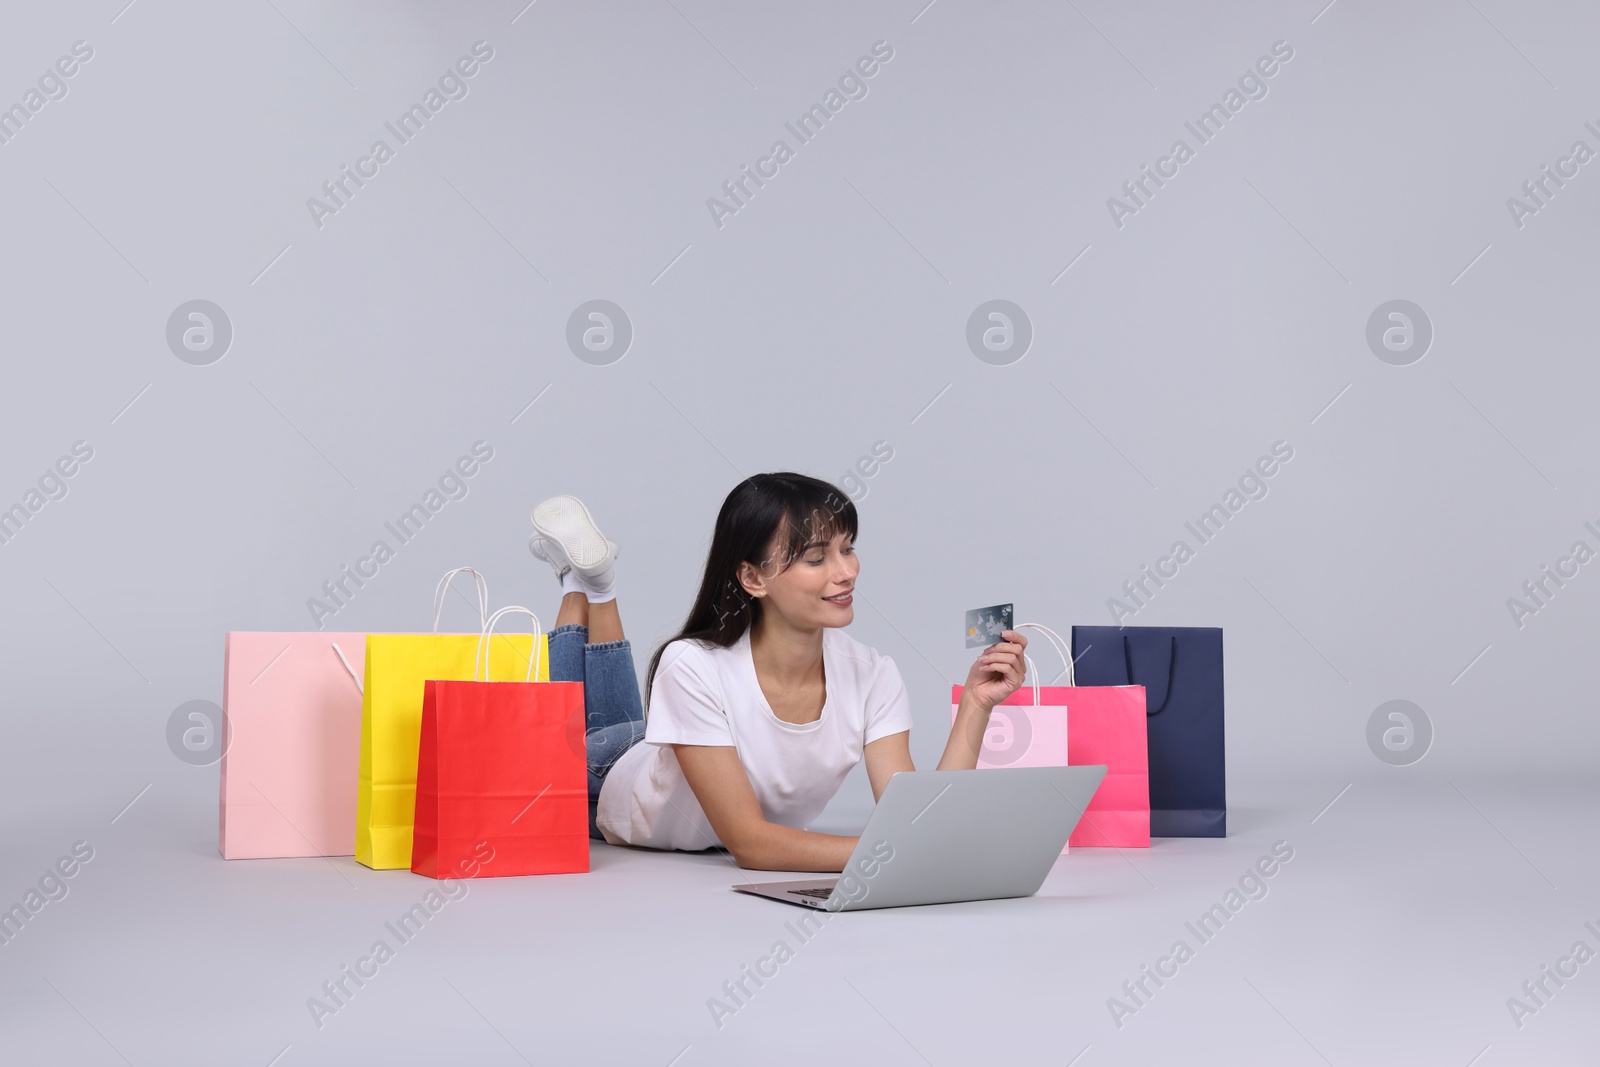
(1181, 670)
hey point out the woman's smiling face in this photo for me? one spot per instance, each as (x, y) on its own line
(815, 589)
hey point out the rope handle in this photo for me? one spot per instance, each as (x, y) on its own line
(354, 677)
(488, 632)
(483, 596)
(1172, 670)
(1060, 647)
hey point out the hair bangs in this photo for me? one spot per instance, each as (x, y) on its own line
(814, 518)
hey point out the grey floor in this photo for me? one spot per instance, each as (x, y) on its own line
(1413, 908)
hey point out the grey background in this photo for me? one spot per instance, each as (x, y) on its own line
(827, 315)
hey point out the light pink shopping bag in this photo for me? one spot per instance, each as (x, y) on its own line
(292, 704)
(1022, 733)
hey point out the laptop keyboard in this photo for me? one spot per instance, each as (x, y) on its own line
(820, 894)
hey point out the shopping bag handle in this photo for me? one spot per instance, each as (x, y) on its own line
(1059, 645)
(488, 632)
(1172, 668)
(354, 677)
(444, 584)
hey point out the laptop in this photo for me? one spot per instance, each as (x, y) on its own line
(937, 837)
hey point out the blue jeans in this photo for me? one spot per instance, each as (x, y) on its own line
(613, 712)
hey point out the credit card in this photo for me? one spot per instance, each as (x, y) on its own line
(984, 625)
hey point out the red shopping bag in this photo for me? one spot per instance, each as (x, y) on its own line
(502, 783)
(1103, 724)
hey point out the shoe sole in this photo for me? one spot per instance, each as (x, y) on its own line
(566, 521)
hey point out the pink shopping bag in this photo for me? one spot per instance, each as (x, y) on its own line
(1073, 725)
(292, 705)
(1108, 726)
(1028, 729)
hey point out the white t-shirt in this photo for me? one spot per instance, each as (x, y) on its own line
(710, 696)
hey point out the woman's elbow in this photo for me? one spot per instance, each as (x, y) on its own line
(749, 849)
(754, 856)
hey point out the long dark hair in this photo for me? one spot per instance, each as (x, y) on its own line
(807, 509)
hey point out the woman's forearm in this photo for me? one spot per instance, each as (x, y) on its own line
(773, 847)
(966, 735)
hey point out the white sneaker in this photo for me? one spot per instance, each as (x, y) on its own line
(558, 561)
(565, 537)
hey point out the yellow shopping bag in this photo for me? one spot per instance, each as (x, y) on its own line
(397, 665)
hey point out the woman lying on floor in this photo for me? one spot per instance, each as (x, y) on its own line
(760, 706)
